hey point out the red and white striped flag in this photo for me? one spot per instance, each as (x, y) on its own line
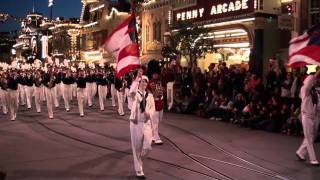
(305, 49)
(122, 43)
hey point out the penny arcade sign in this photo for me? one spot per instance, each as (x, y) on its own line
(206, 10)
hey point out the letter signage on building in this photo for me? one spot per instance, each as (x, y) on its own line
(207, 10)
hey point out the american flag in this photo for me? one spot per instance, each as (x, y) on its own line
(122, 43)
(305, 49)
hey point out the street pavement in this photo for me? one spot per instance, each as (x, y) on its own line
(97, 146)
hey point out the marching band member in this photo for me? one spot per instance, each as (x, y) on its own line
(57, 88)
(310, 122)
(120, 87)
(142, 108)
(49, 81)
(156, 88)
(102, 82)
(38, 81)
(113, 90)
(13, 94)
(91, 90)
(29, 88)
(81, 91)
(67, 80)
(21, 87)
(4, 92)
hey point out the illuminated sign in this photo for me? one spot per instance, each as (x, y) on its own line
(208, 10)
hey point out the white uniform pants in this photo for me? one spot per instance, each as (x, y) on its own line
(309, 130)
(120, 102)
(155, 120)
(50, 100)
(29, 93)
(102, 91)
(37, 97)
(127, 96)
(170, 94)
(4, 101)
(81, 97)
(67, 94)
(91, 91)
(13, 103)
(74, 90)
(57, 94)
(22, 95)
(136, 131)
(113, 95)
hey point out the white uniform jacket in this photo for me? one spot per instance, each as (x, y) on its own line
(150, 107)
(307, 107)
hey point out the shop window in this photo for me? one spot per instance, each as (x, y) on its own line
(147, 33)
(261, 5)
(314, 12)
(159, 31)
(154, 31)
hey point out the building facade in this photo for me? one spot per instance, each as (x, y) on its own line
(98, 19)
(245, 32)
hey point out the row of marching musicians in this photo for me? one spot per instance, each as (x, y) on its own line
(20, 87)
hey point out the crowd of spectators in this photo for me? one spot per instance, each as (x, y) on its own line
(233, 94)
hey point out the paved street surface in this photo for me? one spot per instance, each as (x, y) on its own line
(97, 146)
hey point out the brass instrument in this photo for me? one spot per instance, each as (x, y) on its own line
(158, 91)
(51, 82)
(37, 79)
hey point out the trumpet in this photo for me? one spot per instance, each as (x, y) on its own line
(51, 82)
(38, 79)
(158, 92)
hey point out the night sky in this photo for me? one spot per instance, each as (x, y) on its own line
(19, 8)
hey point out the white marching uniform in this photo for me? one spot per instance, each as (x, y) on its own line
(156, 118)
(102, 91)
(29, 92)
(4, 100)
(50, 93)
(37, 97)
(57, 94)
(140, 130)
(22, 94)
(89, 88)
(120, 97)
(113, 92)
(13, 103)
(67, 95)
(309, 121)
(81, 94)
(81, 97)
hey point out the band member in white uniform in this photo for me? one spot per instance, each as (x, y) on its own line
(142, 108)
(67, 80)
(21, 89)
(57, 88)
(38, 80)
(309, 119)
(157, 90)
(113, 90)
(4, 92)
(81, 91)
(13, 94)
(120, 87)
(29, 88)
(49, 83)
(91, 89)
(102, 82)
